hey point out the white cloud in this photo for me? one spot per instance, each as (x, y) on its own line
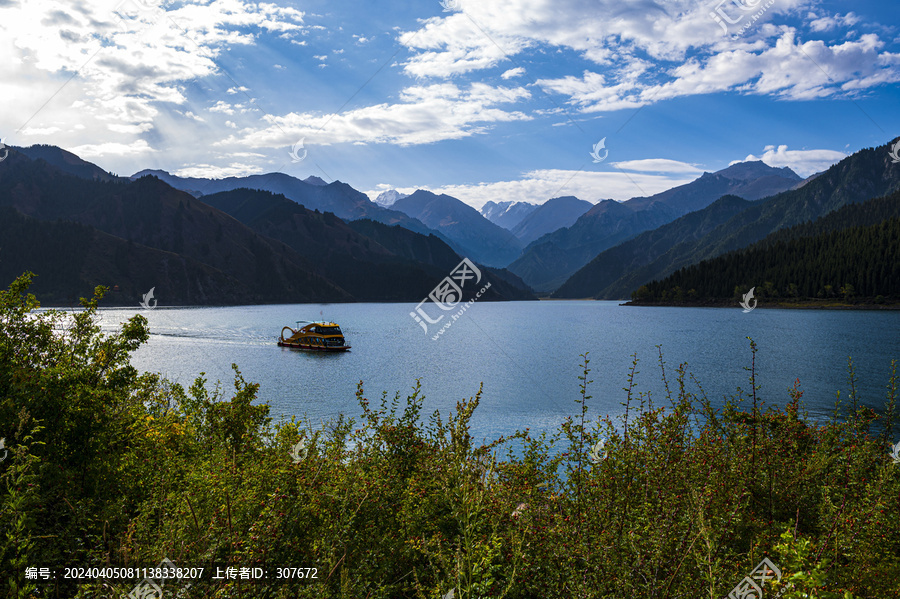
(223, 107)
(127, 67)
(41, 130)
(516, 72)
(130, 129)
(650, 53)
(191, 115)
(210, 171)
(829, 23)
(135, 148)
(802, 162)
(658, 165)
(426, 114)
(791, 69)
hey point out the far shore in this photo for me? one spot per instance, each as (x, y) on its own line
(807, 304)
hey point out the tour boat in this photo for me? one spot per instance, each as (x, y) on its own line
(314, 336)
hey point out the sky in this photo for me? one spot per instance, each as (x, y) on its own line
(519, 100)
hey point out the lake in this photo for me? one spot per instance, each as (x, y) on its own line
(525, 353)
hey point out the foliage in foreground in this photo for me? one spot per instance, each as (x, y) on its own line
(107, 466)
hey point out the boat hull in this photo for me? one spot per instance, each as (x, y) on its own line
(307, 347)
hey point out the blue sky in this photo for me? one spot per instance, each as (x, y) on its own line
(481, 99)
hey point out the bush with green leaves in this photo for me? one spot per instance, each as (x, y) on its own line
(678, 498)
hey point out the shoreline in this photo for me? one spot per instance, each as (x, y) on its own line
(791, 305)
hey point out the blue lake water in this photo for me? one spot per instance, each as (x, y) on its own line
(525, 353)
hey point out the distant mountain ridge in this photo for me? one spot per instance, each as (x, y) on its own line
(154, 236)
(136, 235)
(507, 214)
(337, 197)
(615, 273)
(555, 213)
(69, 163)
(550, 260)
(472, 234)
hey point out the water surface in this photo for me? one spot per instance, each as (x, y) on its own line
(526, 354)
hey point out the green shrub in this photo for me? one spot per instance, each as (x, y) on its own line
(677, 499)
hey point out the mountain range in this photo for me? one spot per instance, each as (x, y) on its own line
(276, 238)
(729, 224)
(851, 254)
(550, 260)
(76, 231)
(313, 193)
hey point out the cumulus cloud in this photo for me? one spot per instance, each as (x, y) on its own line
(128, 61)
(136, 148)
(516, 72)
(802, 162)
(828, 23)
(659, 51)
(425, 114)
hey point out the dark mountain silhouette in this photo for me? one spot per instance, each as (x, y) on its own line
(370, 260)
(197, 240)
(143, 233)
(626, 259)
(432, 250)
(68, 162)
(71, 259)
(315, 194)
(852, 253)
